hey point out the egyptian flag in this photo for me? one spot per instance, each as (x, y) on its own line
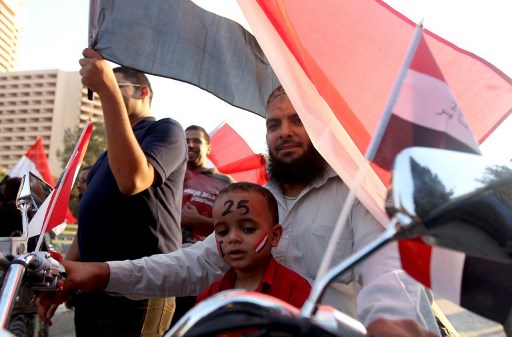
(52, 211)
(232, 155)
(35, 161)
(426, 114)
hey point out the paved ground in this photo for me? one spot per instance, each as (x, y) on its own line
(466, 323)
(469, 324)
(63, 325)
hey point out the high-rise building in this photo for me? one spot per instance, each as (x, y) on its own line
(41, 103)
(11, 12)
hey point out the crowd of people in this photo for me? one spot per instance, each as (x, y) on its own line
(146, 242)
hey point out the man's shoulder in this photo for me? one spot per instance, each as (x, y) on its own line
(161, 130)
(213, 173)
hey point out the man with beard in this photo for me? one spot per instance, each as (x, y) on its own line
(310, 196)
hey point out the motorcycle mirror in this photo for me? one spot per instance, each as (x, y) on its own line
(454, 200)
(31, 194)
(24, 195)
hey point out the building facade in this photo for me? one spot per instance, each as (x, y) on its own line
(10, 30)
(41, 103)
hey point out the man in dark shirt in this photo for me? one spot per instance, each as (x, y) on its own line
(131, 207)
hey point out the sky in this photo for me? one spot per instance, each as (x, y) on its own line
(55, 33)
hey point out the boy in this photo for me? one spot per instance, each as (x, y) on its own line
(246, 228)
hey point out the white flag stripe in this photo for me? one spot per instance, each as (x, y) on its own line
(446, 267)
(428, 101)
(36, 224)
(23, 166)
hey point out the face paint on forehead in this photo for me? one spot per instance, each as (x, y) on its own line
(242, 206)
(261, 244)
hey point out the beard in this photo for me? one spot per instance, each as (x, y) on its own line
(303, 169)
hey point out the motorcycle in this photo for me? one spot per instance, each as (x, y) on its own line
(448, 199)
(25, 272)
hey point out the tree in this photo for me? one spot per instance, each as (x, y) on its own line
(97, 145)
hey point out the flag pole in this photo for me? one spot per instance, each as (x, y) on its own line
(58, 188)
(370, 152)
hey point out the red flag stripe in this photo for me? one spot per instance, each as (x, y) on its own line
(416, 259)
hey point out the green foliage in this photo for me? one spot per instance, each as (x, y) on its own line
(97, 145)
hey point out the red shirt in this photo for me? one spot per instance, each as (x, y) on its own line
(200, 188)
(278, 281)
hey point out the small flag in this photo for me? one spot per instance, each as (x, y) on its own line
(52, 212)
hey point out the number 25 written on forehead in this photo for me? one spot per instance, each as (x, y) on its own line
(242, 204)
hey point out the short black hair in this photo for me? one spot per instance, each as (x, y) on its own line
(251, 187)
(200, 129)
(135, 77)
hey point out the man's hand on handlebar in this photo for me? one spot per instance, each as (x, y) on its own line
(81, 276)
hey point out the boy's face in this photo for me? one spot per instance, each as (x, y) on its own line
(244, 230)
